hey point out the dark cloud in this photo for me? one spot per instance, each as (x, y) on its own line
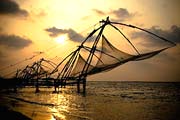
(122, 14)
(54, 32)
(99, 12)
(73, 35)
(11, 7)
(173, 34)
(14, 41)
(76, 37)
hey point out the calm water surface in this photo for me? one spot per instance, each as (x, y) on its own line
(103, 101)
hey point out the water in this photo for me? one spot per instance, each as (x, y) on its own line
(103, 101)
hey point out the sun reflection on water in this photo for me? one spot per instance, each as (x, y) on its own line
(61, 106)
(46, 105)
(57, 115)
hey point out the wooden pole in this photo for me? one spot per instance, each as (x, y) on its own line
(37, 86)
(55, 85)
(84, 85)
(78, 85)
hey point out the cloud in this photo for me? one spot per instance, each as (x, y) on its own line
(54, 32)
(99, 12)
(14, 41)
(122, 14)
(172, 34)
(11, 7)
(72, 34)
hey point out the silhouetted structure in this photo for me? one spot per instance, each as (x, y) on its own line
(76, 68)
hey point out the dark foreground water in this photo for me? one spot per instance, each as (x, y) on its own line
(103, 101)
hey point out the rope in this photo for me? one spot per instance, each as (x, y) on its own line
(126, 38)
(19, 62)
(132, 26)
(43, 52)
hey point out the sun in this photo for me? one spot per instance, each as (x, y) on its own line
(61, 39)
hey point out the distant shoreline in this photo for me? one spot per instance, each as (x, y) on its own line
(133, 81)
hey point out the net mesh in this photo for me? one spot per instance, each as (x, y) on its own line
(148, 55)
(78, 68)
(111, 57)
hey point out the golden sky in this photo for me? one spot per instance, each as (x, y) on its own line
(31, 27)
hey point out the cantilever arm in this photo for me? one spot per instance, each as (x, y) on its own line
(132, 26)
(94, 31)
(126, 38)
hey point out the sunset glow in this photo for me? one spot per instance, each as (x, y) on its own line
(89, 59)
(61, 39)
(56, 25)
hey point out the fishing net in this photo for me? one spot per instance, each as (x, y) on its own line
(78, 68)
(111, 57)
